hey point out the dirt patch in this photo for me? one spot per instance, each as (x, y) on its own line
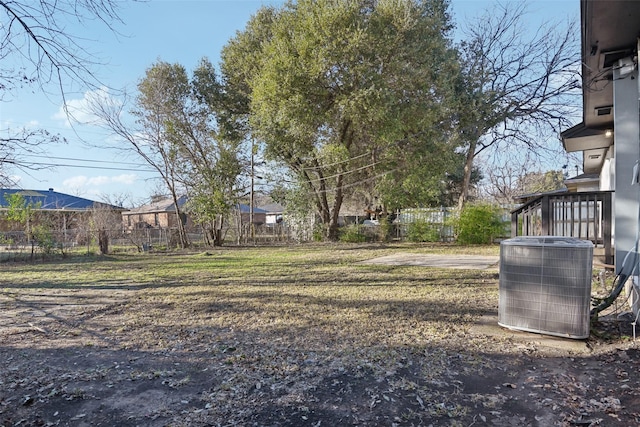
(48, 379)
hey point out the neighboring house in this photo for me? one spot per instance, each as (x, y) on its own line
(609, 135)
(160, 213)
(584, 182)
(602, 205)
(273, 213)
(259, 215)
(62, 211)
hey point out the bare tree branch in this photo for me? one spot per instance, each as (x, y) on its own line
(37, 49)
(518, 88)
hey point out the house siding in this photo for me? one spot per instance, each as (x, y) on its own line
(627, 153)
(607, 172)
(151, 219)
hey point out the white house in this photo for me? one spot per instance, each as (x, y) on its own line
(609, 135)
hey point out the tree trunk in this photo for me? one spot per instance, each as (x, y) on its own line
(333, 230)
(103, 241)
(214, 232)
(468, 168)
(183, 241)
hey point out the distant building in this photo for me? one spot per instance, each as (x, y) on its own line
(259, 215)
(273, 213)
(160, 213)
(59, 210)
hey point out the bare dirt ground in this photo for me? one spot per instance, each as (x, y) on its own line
(101, 356)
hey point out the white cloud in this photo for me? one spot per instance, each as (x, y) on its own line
(79, 110)
(82, 184)
(15, 180)
(75, 182)
(128, 179)
(98, 181)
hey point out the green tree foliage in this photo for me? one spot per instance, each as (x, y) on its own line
(185, 130)
(479, 224)
(347, 93)
(204, 155)
(454, 182)
(161, 104)
(20, 211)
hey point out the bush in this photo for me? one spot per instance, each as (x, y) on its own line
(352, 234)
(479, 224)
(44, 238)
(386, 230)
(423, 231)
(318, 233)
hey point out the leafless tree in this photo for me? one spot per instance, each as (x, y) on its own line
(122, 199)
(518, 86)
(14, 146)
(504, 184)
(38, 49)
(148, 142)
(36, 46)
(106, 223)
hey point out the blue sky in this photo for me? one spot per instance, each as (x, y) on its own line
(171, 30)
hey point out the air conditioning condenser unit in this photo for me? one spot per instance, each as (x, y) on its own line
(545, 285)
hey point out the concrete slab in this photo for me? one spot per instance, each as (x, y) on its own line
(467, 262)
(488, 326)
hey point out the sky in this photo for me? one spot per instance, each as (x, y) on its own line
(170, 30)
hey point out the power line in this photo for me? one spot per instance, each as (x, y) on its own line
(336, 163)
(86, 160)
(355, 184)
(95, 167)
(347, 172)
(77, 166)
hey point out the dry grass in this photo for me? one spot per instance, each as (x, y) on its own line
(303, 335)
(316, 297)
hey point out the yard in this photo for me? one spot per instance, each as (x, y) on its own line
(289, 336)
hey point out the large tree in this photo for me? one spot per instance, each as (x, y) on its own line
(346, 92)
(518, 86)
(210, 151)
(37, 49)
(177, 132)
(160, 96)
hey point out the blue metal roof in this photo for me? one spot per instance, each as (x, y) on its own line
(52, 200)
(246, 209)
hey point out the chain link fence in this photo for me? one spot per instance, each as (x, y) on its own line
(22, 246)
(429, 224)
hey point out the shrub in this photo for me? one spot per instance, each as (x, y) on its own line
(479, 224)
(318, 233)
(423, 231)
(352, 234)
(386, 230)
(44, 238)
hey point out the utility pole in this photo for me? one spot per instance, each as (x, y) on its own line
(251, 197)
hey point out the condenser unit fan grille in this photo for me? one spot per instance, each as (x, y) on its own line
(545, 285)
